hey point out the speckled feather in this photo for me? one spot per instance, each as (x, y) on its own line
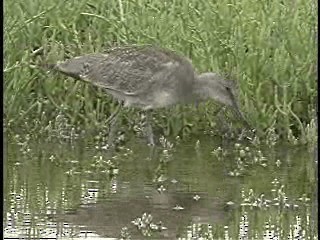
(131, 72)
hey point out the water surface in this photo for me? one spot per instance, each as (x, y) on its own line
(193, 189)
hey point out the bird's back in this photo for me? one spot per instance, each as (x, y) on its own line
(134, 72)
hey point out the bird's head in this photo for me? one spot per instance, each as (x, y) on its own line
(214, 86)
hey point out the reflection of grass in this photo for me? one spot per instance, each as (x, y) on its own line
(49, 178)
(272, 198)
(269, 47)
(244, 158)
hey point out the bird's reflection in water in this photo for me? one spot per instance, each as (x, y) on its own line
(161, 213)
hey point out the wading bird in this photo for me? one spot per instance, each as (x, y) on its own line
(148, 77)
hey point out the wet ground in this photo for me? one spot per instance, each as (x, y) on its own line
(192, 189)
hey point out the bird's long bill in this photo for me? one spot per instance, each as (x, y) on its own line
(238, 112)
(241, 116)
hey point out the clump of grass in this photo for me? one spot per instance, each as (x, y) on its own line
(244, 157)
(269, 47)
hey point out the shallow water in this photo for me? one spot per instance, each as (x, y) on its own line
(195, 189)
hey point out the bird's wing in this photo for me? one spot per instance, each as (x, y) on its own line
(131, 72)
(128, 70)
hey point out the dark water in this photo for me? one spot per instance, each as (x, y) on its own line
(188, 190)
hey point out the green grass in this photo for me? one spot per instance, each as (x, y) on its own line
(268, 46)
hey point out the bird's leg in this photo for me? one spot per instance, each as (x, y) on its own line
(113, 119)
(149, 128)
(152, 153)
(115, 113)
(112, 131)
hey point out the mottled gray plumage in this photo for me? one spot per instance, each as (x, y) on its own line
(146, 77)
(149, 77)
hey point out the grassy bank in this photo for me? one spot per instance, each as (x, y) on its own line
(268, 46)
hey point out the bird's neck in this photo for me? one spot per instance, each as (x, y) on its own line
(201, 90)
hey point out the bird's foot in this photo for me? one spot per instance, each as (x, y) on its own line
(151, 141)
